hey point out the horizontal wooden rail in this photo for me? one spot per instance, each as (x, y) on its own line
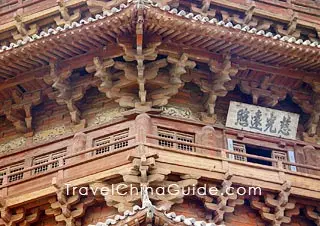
(34, 167)
(213, 157)
(186, 143)
(99, 147)
(221, 150)
(62, 167)
(301, 165)
(62, 159)
(251, 156)
(213, 148)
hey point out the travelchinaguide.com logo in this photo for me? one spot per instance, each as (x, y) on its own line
(171, 189)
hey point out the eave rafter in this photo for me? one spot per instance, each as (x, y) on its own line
(200, 25)
(228, 38)
(152, 26)
(66, 42)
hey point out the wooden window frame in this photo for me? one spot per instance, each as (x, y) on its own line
(241, 148)
(110, 139)
(14, 168)
(274, 153)
(46, 158)
(176, 136)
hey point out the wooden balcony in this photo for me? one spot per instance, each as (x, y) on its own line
(107, 150)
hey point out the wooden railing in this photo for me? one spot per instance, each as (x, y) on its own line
(225, 154)
(64, 162)
(153, 141)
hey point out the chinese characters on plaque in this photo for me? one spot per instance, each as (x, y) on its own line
(262, 120)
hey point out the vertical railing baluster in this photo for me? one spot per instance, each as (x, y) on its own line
(5, 180)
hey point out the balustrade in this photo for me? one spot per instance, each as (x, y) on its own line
(160, 139)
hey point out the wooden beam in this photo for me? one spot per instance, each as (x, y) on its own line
(205, 56)
(286, 72)
(37, 15)
(265, 12)
(69, 64)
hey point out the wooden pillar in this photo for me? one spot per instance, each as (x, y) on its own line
(143, 126)
(207, 137)
(27, 164)
(312, 157)
(79, 143)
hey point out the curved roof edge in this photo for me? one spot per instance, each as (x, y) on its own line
(182, 13)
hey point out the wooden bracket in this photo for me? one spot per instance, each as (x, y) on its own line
(18, 109)
(65, 17)
(22, 30)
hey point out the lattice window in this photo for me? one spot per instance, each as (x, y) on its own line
(38, 161)
(121, 136)
(100, 142)
(15, 169)
(185, 138)
(56, 156)
(46, 158)
(12, 169)
(168, 135)
(280, 156)
(178, 136)
(110, 139)
(238, 147)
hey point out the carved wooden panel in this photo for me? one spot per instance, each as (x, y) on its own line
(110, 139)
(179, 112)
(238, 147)
(280, 156)
(178, 136)
(51, 133)
(12, 169)
(46, 158)
(12, 144)
(105, 116)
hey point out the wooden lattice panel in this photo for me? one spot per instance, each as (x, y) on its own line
(168, 135)
(12, 169)
(3, 172)
(16, 169)
(121, 136)
(280, 156)
(46, 158)
(109, 139)
(238, 147)
(178, 136)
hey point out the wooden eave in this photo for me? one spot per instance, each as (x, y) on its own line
(278, 10)
(209, 36)
(65, 45)
(141, 218)
(32, 15)
(202, 41)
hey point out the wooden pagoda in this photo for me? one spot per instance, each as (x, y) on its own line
(151, 92)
